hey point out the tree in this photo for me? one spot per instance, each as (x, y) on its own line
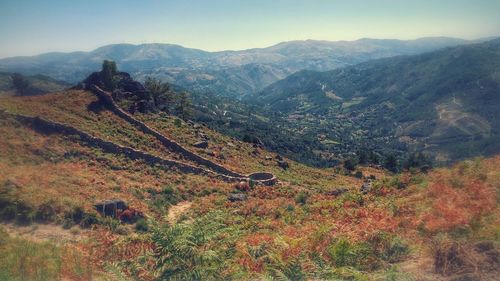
(160, 93)
(108, 71)
(391, 163)
(350, 163)
(183, 106)
(20, 83)
(363, 155)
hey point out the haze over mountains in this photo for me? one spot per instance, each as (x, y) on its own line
(226, 73)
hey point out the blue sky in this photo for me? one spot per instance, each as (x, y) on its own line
(34, 26)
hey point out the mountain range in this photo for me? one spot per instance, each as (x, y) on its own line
(387, 96)
(227, 73)
(444, 102)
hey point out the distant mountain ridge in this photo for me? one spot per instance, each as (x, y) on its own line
(227, 73)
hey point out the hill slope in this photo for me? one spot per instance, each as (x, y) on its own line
(444, 102)
(314, 224)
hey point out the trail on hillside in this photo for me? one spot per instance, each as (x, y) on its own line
(44, 233)
(177, 210)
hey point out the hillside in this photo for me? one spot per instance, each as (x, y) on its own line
(443, 102)
(62, 153)
(37, 84)
(227, 73)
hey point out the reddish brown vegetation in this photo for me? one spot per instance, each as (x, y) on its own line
(453, 207)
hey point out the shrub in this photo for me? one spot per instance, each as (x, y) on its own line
(301, 198)
(67, 223)
(75, 214)
(88, 220)
(341, 253)
(389, 247)
(122, 230)
(350, 163)
(46, 211)
(141, 225)
(111, 223)
(25, 214)
(177, 122)
(192, 251)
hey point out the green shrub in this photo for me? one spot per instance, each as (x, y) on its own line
(341, 253)
(141, 225)
(177, 122)
(25, 214)
(357, 255)
(67, 224)
(301, 197)
(88, 220)
(351, 163)
(111, 223)
(389, 247)
(75, 214)
(46, 211)
(122, 230)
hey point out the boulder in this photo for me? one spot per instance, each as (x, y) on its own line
(110, 207)
(465, 277)
(234, 197)
(338, 191)
(283, 164)
(210, 152)
(366, 187)
(203, 136)
(201, 144)
(484, 246)
(242, 186)
(145, 106)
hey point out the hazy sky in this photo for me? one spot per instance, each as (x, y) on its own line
(34, 26)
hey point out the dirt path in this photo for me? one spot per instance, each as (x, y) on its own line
(44, 233)
(176, 211)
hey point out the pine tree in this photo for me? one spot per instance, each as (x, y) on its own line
(108, 71)
(391, 163)
(183, 106)
(20, 83)
(160, 93)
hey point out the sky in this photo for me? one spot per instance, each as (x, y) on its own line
(29, 27)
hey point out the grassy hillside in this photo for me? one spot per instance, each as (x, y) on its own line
(316, 224)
